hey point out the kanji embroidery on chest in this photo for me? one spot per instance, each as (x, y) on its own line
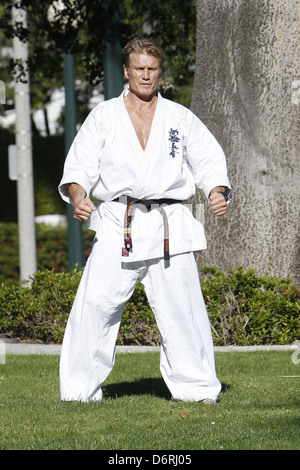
(173, 137)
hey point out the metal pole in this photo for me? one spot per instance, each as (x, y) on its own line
(25, 186)
(112, 53)
(75, 234)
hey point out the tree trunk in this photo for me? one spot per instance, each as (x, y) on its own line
(246, 90)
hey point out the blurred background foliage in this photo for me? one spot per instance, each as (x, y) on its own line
(80, 28)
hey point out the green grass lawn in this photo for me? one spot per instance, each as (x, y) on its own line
(258, 407)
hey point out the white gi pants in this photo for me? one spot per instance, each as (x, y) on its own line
(174, 293)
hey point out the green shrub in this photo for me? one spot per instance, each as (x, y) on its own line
(247, 309)
(243, 307)
(138, 324)
(40, 312)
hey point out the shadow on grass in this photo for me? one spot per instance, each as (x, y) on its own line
(150, 386)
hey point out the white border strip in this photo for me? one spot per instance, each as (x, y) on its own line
(32, 348)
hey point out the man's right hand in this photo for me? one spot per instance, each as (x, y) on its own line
(84, 209)
(83, 206)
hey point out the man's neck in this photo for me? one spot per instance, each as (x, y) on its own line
(139, 102)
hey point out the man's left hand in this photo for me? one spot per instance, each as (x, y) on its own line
(217, 203)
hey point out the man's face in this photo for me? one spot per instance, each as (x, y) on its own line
(143, 74)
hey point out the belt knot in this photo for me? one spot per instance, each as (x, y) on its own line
(150, 204)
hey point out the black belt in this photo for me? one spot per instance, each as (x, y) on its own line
(149, 204)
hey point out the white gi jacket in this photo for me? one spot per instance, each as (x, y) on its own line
(107, 160)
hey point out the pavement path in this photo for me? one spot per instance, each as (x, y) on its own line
(13, 347)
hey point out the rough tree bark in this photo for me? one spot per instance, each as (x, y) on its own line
(246, 90)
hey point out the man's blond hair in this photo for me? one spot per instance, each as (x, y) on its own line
(143, 45)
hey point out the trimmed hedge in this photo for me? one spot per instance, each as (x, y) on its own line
(247, 309)
(40, 312)
(244, 309)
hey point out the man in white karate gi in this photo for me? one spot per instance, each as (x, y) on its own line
(141, 156)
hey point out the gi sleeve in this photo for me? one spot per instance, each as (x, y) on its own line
(205, 156)
(82, 163)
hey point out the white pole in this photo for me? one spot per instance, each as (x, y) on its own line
(26, 222)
